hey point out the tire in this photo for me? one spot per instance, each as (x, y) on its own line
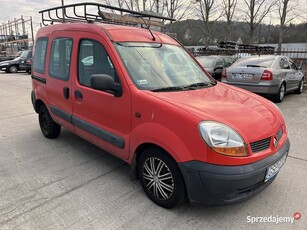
(49, 128)
(28, 71)
(154, 164)
(300, 88)
(13, 69)
(281, 93)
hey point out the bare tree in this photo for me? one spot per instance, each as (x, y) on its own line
(177, 9)
(284, 11)
(257, 10)
(229, 10)
(207, 9)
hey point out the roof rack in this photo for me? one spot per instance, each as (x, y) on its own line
(94, 12)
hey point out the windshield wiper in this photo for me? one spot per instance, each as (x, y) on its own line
(167, 89)
(199, 85)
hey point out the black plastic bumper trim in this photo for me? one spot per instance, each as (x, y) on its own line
(221, 185)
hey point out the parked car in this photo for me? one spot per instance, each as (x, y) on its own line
(26, 61)
(215, 64)
(13, 66)
(270, 75)
(132, 100)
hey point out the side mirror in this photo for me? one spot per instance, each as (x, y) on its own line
(106, 83)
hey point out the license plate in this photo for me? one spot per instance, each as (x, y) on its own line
(274, 169)
(242, 76)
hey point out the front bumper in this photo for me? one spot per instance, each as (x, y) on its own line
(221, 185)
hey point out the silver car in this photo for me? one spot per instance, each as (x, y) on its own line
(271, 75)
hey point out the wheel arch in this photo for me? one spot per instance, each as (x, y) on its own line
(37, 105)
(138, 152)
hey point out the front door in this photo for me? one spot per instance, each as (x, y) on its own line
(98, 116)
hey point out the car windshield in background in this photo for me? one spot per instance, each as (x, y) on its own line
(207, 62)
(24, 54)
(154, 66)
(255, 61)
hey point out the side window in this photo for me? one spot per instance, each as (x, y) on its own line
(293, 66)
(219, 62)
(228, 62)
(284, 64)
(60, 57)
(40, 55)
(93, 59)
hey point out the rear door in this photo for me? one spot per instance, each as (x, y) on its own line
(98, 116)
(297, 75)
(59, 80)
(288, 72)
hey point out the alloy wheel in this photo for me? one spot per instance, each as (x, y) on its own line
(158, 178)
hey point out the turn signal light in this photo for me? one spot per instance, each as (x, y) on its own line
(231, 151)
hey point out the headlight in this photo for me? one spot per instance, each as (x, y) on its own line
(222, 139)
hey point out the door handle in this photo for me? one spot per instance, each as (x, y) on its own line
(78, 95)
(66, 92)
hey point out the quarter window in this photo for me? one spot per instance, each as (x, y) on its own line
(40, 55)
(60, 57)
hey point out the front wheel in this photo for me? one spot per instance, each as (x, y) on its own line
(49, 128)
(300, 88)
(161, 178)
(13, 69)
(281, 93)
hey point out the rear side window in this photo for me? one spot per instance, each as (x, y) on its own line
(40, 55)
(60, 57)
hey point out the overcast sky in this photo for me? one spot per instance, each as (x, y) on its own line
(11, 9)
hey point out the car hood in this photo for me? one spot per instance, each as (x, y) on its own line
(5, 62)
(250, 115)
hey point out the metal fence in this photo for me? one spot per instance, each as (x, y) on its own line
(298, 54)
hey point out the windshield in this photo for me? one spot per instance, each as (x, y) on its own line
(254, 61)
(154, 66)
(24, 54)
(207, 62)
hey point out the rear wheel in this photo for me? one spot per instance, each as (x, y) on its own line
(161, 178)
(281, 93)
(300, 88)
(49, 128)
(13, 69)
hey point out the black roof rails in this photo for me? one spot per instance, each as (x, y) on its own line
(83, 12)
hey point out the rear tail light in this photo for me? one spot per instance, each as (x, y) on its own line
(224, 73)
(29, 61)
(267, 75)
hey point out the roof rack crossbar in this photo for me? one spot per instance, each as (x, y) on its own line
(80, 12)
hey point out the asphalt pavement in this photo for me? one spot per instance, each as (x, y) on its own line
(68, 183)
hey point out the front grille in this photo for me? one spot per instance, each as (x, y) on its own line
(261, 145)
